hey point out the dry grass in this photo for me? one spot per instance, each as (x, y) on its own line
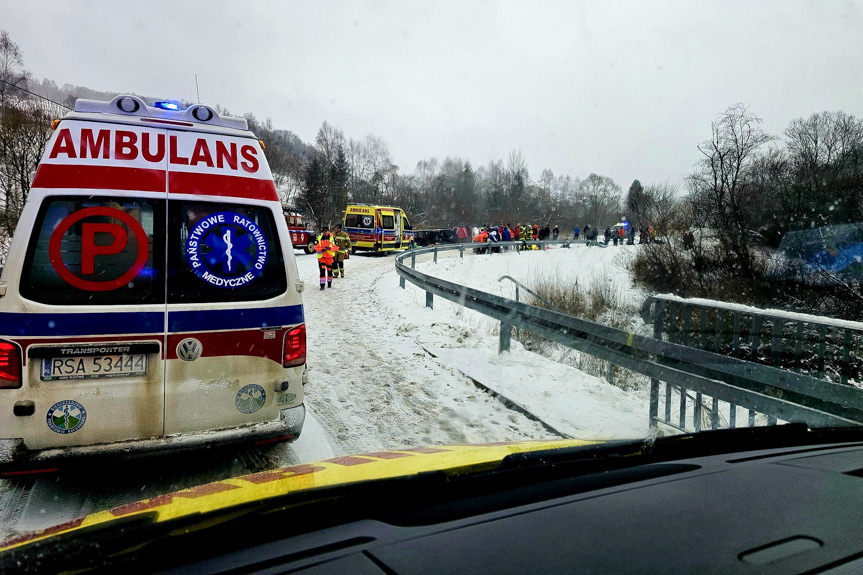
(599, 301)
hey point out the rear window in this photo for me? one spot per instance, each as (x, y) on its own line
(90, 250)
(359, 221)
(223, 252)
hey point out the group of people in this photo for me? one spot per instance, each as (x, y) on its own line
(505, 233)
(619, 234)
(332, 249)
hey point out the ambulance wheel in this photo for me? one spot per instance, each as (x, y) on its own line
(310, 247)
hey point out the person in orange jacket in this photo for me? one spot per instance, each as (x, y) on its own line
(481, 237)
(327, 250)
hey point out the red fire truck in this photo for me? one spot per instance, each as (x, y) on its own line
(302, 235)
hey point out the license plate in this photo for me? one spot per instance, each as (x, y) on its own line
(58, 368)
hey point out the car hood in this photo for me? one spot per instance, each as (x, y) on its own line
(225, 494)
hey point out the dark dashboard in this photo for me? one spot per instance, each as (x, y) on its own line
(797, 510)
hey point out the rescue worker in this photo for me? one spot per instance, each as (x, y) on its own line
(343, 241)
(326, 248)
(526, 235)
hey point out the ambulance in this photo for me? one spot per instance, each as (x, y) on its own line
(379, 229)
(150, 298)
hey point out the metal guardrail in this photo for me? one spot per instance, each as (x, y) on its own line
(763, 389)
(785, 340)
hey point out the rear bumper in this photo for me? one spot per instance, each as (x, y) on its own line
(14, 455)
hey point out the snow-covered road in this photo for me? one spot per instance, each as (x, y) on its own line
(386, 372)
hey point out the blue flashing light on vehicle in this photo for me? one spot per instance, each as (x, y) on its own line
(167, 105)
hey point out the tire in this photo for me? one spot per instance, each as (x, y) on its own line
(310, 247)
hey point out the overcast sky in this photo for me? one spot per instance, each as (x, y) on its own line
(624, 89)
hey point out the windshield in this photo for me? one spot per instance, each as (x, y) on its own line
(618, 220)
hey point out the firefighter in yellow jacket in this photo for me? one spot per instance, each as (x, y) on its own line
(343, 240)
(327, 249)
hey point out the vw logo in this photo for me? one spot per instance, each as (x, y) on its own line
(189, 349)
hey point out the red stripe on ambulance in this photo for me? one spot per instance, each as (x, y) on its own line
(99, 177)
(246, 343)
(224, 186)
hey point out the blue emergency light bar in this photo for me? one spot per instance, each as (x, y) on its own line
(168, 105)
(166, 109)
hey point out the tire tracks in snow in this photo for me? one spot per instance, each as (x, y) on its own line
(511, 404)
(373, 388)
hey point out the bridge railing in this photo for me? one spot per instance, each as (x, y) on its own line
(780, 394)
(824, 348)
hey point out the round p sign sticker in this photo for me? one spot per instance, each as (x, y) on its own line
(94, 256)
(227, 250)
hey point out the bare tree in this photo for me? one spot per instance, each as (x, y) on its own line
(601, 199)
(12, 72)
(721, 186)
(24, 132)
(825, 155)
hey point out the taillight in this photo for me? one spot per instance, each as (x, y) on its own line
(10, 364)
(295, 347)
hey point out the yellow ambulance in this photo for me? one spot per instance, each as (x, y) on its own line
(378, 229)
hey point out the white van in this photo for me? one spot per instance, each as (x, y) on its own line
(150, 296)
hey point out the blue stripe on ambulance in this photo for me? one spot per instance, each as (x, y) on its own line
(148, 322)
(224, 319)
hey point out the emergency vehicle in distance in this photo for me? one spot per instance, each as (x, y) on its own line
(378, 229)
(150, 297)
(302, 237)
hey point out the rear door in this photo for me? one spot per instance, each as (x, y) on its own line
(92, 288)
(398, 228)
(227, 315)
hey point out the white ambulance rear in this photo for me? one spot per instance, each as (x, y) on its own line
(150, 297)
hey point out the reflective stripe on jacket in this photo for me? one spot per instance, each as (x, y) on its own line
(326, 249)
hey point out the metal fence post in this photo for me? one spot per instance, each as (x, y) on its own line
(435, 254)
(846, 358)
(714, 414)
(505, 335)
(517, 330)
(402, 282)
(654, 400)
(429, 300)
(654, 383)
(696, 412)
(414, 260)
(610, 373)
(667, 401)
